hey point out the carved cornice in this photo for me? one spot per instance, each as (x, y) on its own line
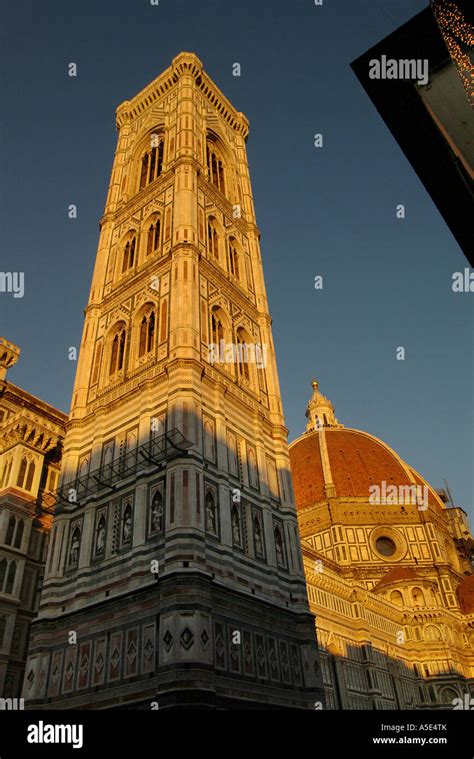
(32, 430)
(185, 64)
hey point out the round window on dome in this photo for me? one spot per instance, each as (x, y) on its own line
(385, 546)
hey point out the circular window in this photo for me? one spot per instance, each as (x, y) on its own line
(385, 546)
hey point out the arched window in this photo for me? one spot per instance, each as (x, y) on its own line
(215, 168)
(6, 473)
(3, 569)
(147, 334)
(96, 367)
(30, 475)
(212, 239)
(242, 366)
(152, 164)
(432, 633)
(396, 598)
(22, 472)
(153, 237)
(10, 531)
(217, 328)
(117, 352)
(10, 577)
(129, 255)
(418, 598)
(19, 532)
(156, 513)
(3, 624)
(144, 171)
(233, 259)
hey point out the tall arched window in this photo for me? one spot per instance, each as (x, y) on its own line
(117, 352)
(3, 569)
(215, 168)
(418, 598)
(217, 328)
(153, 237)
(129, 255)
(147, 334)
(6, 472)
(396, 598)
(30, 475)
(212, 239)
(3, 624)
(19, 532)
(10, 531)
(10, 577)
(22, 472)
(152, 164)
(233, 259)
(242, 366)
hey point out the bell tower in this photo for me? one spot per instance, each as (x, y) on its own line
(174, 572)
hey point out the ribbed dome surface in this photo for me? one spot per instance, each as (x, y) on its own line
(357, 461)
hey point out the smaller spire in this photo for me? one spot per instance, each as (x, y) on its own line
(320, 411)
(9, 355)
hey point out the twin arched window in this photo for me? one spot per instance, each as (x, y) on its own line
(26, 474)
(215, 168)
(6, 472)
(212, 239)
(153, 237)
(147, 334)
(217, 327)
(129, 255)
(117, 352)
(18, 533)
(233, 259)
(7, 576)
(152, 164)
(242, 363)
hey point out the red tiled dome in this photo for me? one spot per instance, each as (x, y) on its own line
(395, 575)
(357, 460)
(465, 593)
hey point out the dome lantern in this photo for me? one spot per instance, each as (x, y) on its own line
(320, 411)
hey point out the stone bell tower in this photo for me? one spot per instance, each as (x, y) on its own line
(174, 573)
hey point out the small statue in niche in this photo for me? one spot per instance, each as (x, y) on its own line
(236, 532)
(279, 548)
(258, 537)
(74, 552)
(127, 526)
(210, 513)
(157, 512)
(100, 539)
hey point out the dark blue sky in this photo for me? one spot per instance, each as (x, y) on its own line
(331, 211)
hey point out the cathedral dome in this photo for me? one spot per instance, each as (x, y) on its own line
(397, 574)
(330, 460)
(465, 593)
